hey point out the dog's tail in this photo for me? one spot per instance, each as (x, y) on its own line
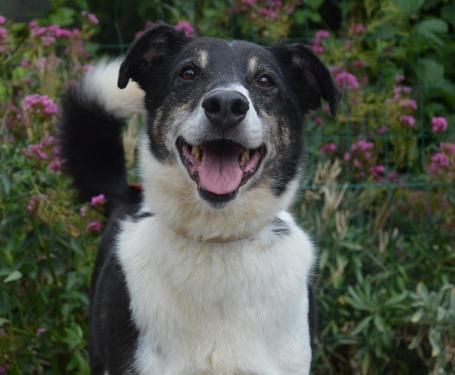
(94, 111)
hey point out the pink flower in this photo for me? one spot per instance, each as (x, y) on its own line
(321, 35)
(329, 148)
(91, 17)
(41, 331)
(358, 28)
(3, 369)
(439, 161)
(55, 165)
(409, 121)
(3, 33)
(408, 104)
(449, 147)
(186, 27)
(40, 103)
(393, 177)
(377, 172)
(399, 78)
(37, 151)
(48, 40)
(362, 146)
(318, 50)
(2, 20)
(95, 226)
(358, 64)
(98, 200)
(249, 2)
(318, 120)
(25, 63)
(347, 80)
(439, 124)
(382, 130)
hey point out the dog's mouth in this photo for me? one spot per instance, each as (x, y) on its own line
(220, 167)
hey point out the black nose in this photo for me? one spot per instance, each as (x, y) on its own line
(225, 108)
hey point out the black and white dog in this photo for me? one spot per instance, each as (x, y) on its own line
(205, 271)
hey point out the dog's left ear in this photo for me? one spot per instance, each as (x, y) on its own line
(154, 48)
(308, 76)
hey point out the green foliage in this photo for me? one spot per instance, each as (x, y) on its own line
(378, 197)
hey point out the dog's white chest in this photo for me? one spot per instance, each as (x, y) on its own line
(203, 309)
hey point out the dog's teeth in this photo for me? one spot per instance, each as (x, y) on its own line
(196, 152)
(244, 157)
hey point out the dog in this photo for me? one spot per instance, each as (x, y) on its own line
(203, 270)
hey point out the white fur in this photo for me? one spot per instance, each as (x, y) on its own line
(233, 308)
(100, 84)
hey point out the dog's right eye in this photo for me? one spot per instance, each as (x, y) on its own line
(188, 73)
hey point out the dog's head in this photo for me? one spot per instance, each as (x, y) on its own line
(224, 120)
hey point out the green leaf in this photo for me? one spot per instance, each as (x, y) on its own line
(430, 27)
(448, 13)
(314, 4)
(13, 276)
(435, 340)
(417, 316)
(379, 323)
(63, 17)
(362, 326)
(409, 7)
(430, 72)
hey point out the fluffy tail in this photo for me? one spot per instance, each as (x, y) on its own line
(91, 131)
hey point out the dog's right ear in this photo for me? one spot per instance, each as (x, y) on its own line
(155, 45)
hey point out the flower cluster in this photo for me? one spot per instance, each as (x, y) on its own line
(357, 29)
(402, 105)
(40, 104)
(186, 27)
(90, 17)
(98, 200)
(345, 80)
(360, 157)
(443, 162)
(269, 10)
(439, 124)
(316, 42)
(48, 35)
(329, 148)
(46, 151)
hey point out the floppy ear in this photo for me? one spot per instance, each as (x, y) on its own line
(153, 47)
(308, 76)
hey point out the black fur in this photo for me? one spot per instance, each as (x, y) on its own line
(92, 148)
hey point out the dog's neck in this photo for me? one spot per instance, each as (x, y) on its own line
(218, 239)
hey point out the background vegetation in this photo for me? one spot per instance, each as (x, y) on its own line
(378, 198)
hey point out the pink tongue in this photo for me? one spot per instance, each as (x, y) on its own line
(220, 173)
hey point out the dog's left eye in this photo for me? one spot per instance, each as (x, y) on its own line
(264, 81)
(188, 73)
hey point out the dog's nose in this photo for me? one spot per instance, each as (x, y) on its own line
(225, 109)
